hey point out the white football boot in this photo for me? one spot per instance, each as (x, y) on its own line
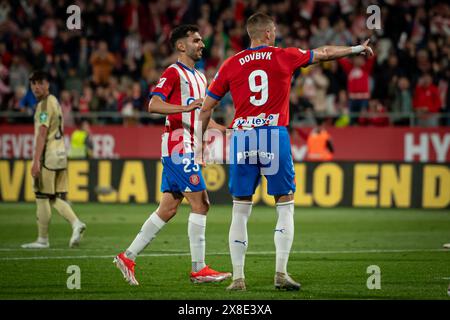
(77, 234)
(283, 281)
(36, 245)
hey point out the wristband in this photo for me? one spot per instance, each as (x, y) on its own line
(357, 49)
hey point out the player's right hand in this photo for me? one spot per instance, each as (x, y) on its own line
(194, 105)
(36, 169)
(367, 50)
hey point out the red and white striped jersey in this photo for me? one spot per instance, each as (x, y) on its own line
(180, 85)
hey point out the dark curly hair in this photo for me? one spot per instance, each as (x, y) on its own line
(181, 32)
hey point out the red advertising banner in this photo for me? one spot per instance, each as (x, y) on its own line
(109, 142)
(351, 144)
(382, 144)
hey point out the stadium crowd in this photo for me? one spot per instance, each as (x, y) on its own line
(108, 66)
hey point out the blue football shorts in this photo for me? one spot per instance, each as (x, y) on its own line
(261, 151)
(181, 174)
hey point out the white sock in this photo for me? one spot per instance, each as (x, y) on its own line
(196, 233)
(42, 240)
(284, 235)
(148, 232)
(76, 223)
(238, 237)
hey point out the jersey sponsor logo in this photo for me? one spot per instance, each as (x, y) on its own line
(253, 153)
(258, 121)
(256, 56)
(43, 116)
(194, 179)
(161, 82)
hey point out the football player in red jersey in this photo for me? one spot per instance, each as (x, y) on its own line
(179, 95)
(259, 80)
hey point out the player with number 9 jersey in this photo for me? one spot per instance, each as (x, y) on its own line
(259, 80)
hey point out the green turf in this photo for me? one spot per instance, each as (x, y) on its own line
(331, 252)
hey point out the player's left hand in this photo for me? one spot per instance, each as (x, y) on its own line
(36, 169)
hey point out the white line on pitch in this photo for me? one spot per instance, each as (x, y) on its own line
(215, 253)
(69, 249)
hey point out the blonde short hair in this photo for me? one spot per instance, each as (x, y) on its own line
(257, 24)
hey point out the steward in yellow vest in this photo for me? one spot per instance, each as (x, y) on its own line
(80, 142)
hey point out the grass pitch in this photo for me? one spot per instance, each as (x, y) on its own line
(330, 255)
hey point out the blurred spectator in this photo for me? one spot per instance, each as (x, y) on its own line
(102, 62)
(342, 106)
(375, 115)
(5, 56)
(122, 42)
(82, 57)
(67, 108)
(98, 102)
(18, 73)
(38, 58)
(137, 99)
(73, 82)
(315, 87)
(5, 89)
(341, 36)
(216, 58)
(336, 78)
(385, 76)
(402, 103)
(28, 102)
(322, 35)
(446, 109)
(427, 102)
(85, 100)
(358, 70)
(319, 144)
(14, 103)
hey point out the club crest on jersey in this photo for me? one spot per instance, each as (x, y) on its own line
(190, 100)
(43, 117)
(194, 179)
